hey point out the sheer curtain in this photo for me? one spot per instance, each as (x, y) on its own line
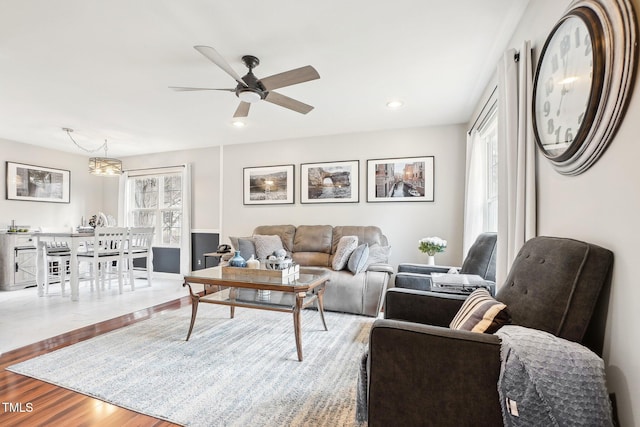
(517, 158)
(185, 235)
(475, 189)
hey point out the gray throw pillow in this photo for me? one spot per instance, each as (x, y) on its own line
(346, 245)
(246, 248)
(267, 245)
(358, 259)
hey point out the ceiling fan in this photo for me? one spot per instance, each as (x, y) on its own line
(251, 89)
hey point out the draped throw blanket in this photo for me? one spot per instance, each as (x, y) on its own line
(546, 380)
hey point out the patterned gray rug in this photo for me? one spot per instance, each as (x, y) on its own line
(232, 372)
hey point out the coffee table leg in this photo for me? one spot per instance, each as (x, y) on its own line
(232, 298)
(321, 307)
(296, 325)
(194, 311)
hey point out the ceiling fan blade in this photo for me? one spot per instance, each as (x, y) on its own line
(186, 89)
(291, 77)
(217, 59)
(242, 110)
(286, 102)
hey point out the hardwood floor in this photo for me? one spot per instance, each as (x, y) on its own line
(28, 402)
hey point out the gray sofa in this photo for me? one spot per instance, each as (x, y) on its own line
(315, 246)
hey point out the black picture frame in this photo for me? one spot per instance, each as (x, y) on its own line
(401, 179)
(330, 182)
(269, 185)
(33, 183)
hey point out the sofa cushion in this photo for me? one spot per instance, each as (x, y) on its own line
(313, 238)
(358, 259)
(346, 246)
(286, 233)
(267, 245)
(366, 234)
(481, 313)
(312, 259)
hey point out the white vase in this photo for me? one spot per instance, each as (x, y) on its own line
(431, 260)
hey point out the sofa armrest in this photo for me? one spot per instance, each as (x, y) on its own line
(385, 268)
(432, 308)
(407, 267)
(425, 375)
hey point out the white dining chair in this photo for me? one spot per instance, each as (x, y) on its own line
(138, 247)
(106, 247)
(56, 259)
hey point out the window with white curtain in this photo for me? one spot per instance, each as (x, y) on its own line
(156, 201)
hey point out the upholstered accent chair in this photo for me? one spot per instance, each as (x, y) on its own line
(422, 373)
(480, 260)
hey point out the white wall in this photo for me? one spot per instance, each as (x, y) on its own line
(85, 196)
(600, 206)
(403, 222)
(205, 176)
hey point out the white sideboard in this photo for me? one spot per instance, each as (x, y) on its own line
(17, 261)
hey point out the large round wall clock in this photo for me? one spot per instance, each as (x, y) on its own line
(582, 81)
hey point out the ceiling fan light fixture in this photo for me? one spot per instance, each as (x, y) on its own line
(249, 96)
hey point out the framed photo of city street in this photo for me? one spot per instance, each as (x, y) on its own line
(333, 182)
(406, 179)
(37, 183)
(268, 185)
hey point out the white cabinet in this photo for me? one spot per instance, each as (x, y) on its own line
(17, 261)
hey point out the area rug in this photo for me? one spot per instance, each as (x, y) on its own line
(232, 372)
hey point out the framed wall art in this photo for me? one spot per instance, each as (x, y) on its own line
(406, 179)
(332, 182)
(268, 185)
(37, 183)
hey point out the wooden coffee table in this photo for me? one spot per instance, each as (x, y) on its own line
(252, 289)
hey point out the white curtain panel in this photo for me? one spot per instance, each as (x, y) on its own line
(475, 189)
(185, 243)
(516, 158)
(123, 200)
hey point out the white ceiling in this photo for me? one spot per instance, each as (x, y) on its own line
(103, 67)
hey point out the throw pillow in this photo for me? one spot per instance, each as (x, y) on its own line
(358, 259)
(246, 247)
(346, 245)
(480, 312)
(378, 254)
(267, 245)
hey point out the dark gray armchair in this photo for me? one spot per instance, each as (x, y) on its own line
(421, 373)
(481, 260)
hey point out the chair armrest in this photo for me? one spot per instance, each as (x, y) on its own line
(407, 267)
(425, 375)
(431, 308)
(385, 268)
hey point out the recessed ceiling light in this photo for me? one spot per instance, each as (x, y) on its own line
(394, 105)
(238, 123)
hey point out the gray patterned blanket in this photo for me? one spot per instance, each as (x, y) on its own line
(546, 380)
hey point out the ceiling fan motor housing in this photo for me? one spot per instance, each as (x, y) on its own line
(255, 90)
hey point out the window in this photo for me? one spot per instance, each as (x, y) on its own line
(156, 201)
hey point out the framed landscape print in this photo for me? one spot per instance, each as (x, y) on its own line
(37, 183)
(332, 182)
(268, 185)
(407, 179)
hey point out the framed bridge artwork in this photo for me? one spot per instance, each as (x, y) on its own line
(331, 182)
(268, 185)
(407, 179)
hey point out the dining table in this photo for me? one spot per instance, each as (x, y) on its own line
(73, 239)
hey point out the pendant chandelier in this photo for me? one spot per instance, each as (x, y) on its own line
(102, 166)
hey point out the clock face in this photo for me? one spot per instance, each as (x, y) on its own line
(563, 88)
